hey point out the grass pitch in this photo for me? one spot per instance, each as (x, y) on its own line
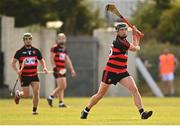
(110, 111)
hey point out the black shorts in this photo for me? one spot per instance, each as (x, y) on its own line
(112, 78)
(58, 75)
(26, 80)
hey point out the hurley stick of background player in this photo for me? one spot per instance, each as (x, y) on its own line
(15, 84)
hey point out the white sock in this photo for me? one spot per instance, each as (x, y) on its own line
(61, 103)
(50, 97)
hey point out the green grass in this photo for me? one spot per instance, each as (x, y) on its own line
(110, 111)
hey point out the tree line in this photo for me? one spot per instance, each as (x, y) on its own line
(160, 19)
(75, 14)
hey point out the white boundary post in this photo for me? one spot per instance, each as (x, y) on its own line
(150, 81)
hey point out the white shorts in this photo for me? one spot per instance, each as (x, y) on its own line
(167, 77)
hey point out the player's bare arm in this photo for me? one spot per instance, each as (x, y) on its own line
(42, 61)
(134, 46)
(13, 64)
(70, 66)
(52, 60)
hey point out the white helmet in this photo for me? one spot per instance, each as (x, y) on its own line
(121, 25)
(27, 34)
(61, 35)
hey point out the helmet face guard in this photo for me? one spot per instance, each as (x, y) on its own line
(121, 25)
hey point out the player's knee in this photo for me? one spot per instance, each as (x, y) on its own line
(133, 90)
(58, 88)
(36, 93)
(62, 88)
(65, 87)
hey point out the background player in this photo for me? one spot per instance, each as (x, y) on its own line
(59, 60)
(28, 56)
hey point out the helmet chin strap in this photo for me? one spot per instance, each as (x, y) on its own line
(61, 44)
(123, 37)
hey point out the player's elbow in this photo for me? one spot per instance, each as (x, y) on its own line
(134, 48)
(13, 64)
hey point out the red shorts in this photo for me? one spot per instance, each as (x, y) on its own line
(112, 78)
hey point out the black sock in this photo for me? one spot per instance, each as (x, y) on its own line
(141, 110)
(52, 96)
(60, 101)
(34, 109)
(87, 109)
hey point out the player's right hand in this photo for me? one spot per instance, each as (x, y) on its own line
(19, 72)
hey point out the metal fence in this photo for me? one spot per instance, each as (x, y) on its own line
(84, 55)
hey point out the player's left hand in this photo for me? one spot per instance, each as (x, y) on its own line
(73, 73)
(45, 70)
(19, 72)
(136, 32)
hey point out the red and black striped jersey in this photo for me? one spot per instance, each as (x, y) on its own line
(30, 57)
(60, 56)
(117, 62)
